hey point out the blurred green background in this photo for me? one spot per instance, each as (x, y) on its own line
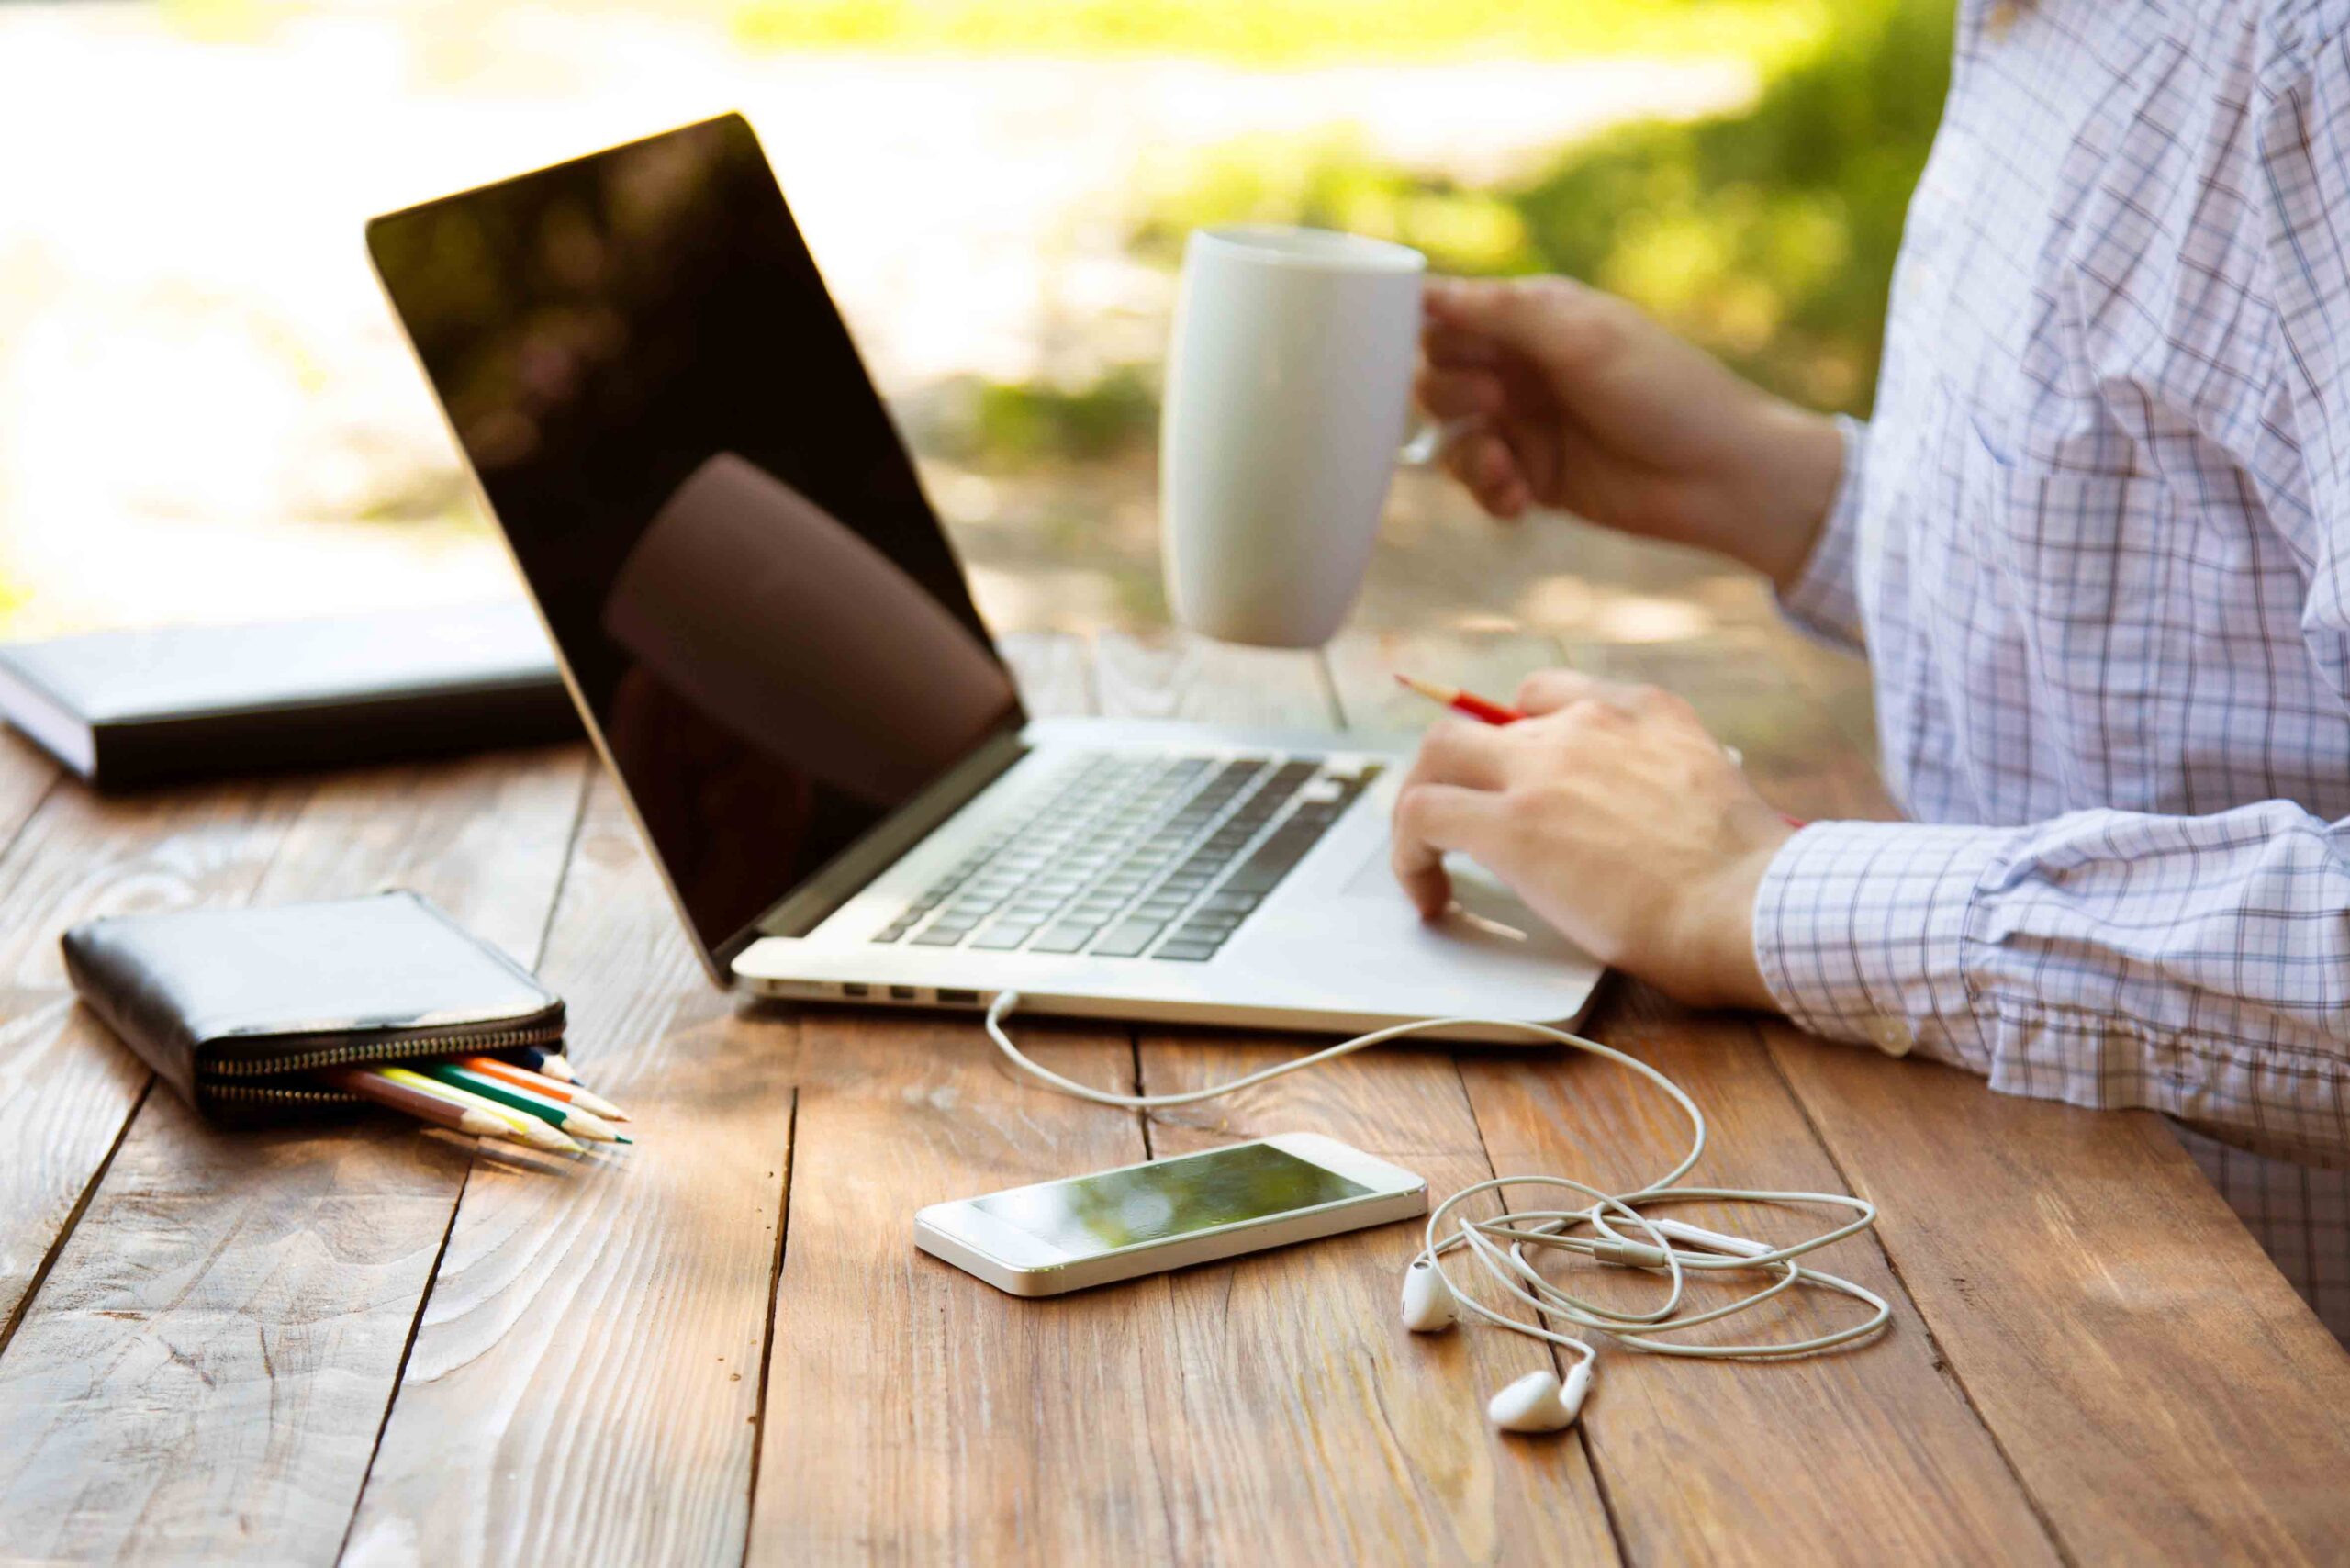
(205, 411)
(1766, 235)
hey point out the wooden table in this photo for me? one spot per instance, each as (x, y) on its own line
(381, 1346)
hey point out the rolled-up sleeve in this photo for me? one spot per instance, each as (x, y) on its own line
(2197, 966)
(1824, 600)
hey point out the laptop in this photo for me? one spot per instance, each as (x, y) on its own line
(772, 645)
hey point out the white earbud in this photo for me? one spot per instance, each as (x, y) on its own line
(1429, 1305)
(1537, 1402)
(1541, 1307)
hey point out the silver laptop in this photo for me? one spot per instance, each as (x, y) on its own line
(773, 647)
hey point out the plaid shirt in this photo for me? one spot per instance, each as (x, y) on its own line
(2097, 542)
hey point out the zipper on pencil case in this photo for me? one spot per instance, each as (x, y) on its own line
(259, 1095)
(407, 1047)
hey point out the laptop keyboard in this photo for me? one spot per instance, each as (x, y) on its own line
(1131, 856)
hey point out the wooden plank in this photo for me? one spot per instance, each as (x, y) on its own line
(2093, 1282)
(664, 1262)
(67, 1087)
(1742, 1493)
(1869, 1454)
(204, 1373)
(912, 1412)
(1313, 1425)
(2090, 1281)
(27, 775)
(584, 1379)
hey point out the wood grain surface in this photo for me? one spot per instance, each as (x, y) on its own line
(585, 1376)
(378, 1345)
(1879, 1427)
(913, 1413)
(2062, 1259)
(217, 1339)
(1312, 1423)
(67, 1087)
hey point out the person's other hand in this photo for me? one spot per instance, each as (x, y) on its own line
(1565, 397)
(1615, 816)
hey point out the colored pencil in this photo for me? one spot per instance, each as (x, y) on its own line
(572, 1119)
(420, 1103)
(1487, 710)
(537, 1083)
(529, 1129)
(1483, 709)
(538, 1059)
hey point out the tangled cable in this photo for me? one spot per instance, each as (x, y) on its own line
(1656, 1244)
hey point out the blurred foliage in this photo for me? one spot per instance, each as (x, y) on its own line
(1767, 236)
(1291, 32)
(999, 424)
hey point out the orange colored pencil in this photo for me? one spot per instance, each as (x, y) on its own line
(539, 1083)
(479, 1119)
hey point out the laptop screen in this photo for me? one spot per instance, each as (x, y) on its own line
(762, 616)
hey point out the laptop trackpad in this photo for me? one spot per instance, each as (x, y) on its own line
(1475, 889)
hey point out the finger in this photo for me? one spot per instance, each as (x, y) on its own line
(1463, 753)
(1460, 394)
(1458, 348)
(1430, 819)
(1484, 465)
(1551, 319)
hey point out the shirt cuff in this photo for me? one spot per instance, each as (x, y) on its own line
(1860, 931)
(1824, 600)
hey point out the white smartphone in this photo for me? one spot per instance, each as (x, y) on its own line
(1168, 1213)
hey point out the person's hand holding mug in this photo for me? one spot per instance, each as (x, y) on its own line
(1560, 395)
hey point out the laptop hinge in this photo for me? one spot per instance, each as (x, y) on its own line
(844, 876)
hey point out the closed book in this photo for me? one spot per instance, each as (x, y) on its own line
(124, 709)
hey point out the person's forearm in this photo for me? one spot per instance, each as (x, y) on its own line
(1771, 506)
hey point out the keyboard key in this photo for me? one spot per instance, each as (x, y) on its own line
(938, 937)
(1273, 860)
(1237, 903)
(1064, 938)
(1127, 938)
(1002, 938)
(1185, 952)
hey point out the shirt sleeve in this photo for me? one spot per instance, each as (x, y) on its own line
(1825, 600)
(2195, 966)
(2303, 175)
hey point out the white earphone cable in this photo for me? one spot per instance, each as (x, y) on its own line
(1654, 1245)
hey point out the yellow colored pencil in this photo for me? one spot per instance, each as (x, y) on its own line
(576, 1120)
(528, 1129)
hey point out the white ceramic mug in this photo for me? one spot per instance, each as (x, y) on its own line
(1287, 394)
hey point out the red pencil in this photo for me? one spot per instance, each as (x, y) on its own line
(1482, 709)
(1486, 711)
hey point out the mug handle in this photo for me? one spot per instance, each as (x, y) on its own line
(1425, 445)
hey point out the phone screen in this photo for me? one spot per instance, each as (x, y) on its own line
(1094, 1214)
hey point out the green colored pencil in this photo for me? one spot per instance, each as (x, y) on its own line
(530, 1129)
(569, 1118)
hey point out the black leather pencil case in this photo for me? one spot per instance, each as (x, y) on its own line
(232, 1006)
